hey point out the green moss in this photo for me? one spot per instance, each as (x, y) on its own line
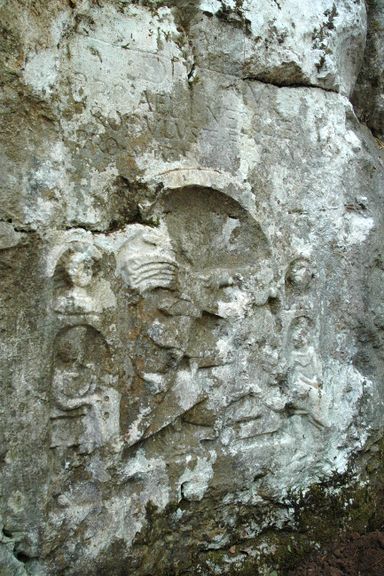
(209, 538)
(331, 510)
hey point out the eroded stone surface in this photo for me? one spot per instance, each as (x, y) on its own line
(191, 256)
(368, 93)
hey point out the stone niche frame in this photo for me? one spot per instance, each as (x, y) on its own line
(218, 180)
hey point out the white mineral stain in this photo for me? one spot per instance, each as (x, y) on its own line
(134, 432)
(237, 304)
(356, 228)
(194, 482)
(41, 71)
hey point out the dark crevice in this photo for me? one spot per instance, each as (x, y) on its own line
(24, 230)
(20, 228)
(274, 304)
(191, 73)
(288, 84)
(85, 228)
(355, 117)
(22, 557)
(114, 226)
(211, 316)
(367, 91)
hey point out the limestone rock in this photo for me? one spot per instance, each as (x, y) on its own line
(191, 259)
(368, 94)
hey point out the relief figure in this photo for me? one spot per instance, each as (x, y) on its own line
(85, 410)
(159, 319)
(147, 266)
(304, 372)
(78, 289)
(188, 296)
(300, 297)
(300, 274)
(146, 260)
(223, 255)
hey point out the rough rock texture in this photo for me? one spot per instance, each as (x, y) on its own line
(358, 555)
(192, 269)
(368, 98)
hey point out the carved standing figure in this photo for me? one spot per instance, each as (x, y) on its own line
(159, 320)
(304, 371)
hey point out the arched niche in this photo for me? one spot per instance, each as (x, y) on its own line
(209, 229)
(228, 184)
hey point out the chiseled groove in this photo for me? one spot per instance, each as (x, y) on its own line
(152, 265)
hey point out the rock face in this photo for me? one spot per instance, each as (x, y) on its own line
(368, 94)
(192, 266)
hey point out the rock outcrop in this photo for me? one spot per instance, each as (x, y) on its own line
(192, 262)
(368, 98)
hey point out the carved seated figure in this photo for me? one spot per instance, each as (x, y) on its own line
(85, 407)
(304, 372)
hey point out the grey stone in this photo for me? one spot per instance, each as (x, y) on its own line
(368, 94)
(191, 258)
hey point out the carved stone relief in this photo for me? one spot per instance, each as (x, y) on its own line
(201, 316)
(221, 349)
(146, 260)
(299, 275)
(221, 252)
(304, 371)
(85, 405)
(78, 287)
(157, 324)
(187, 287)
(300, 285)
(190, 310)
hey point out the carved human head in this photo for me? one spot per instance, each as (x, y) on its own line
(300, 272)
(80, 267)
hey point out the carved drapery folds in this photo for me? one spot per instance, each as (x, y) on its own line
(85, 410)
